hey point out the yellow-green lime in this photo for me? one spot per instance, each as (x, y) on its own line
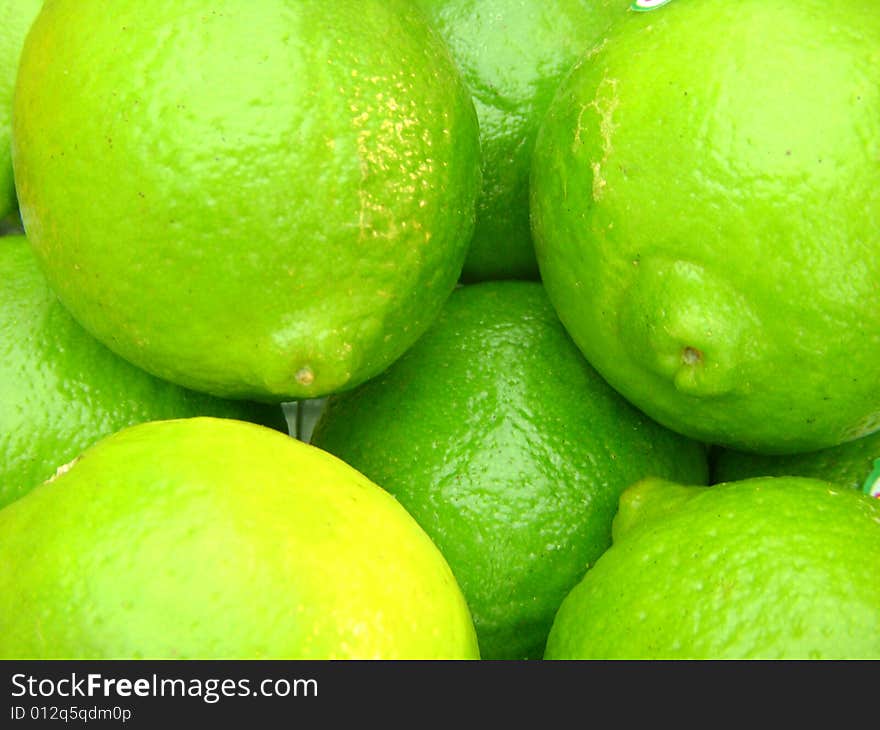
(509, 450)
(512, 54)
(216, 538)
(16, 17)
(266, 200)
(706, 207)
(850, 464)
(61, 390)
(766, 568)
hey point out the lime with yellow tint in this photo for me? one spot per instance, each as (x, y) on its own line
(16, 17)
(61, 390)
(512, 54)
(216, 538)
(765, 568)
(706, 206)
(263, 200)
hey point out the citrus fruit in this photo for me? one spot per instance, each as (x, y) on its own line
(262, 200)
(61, 390)
(850, 464)
(512, 54)
(706, 206)
(216, 538)
(509, 450)
(16, 17)
(766, 568)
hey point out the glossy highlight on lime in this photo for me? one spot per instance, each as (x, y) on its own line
(509, 450)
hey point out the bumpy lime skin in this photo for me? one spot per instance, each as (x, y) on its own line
(849, 464)
(61, 390)
(213, 538)
(706, 213)
(513, 54)
(509, 450)
(16, 17)
(768, 568)
(261, 200)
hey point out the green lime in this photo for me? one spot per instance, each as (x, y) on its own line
(61, 390)
(512, 54)
(261, 200)
(215, 538)
(850, 464)
(705, 205)
(509, 450)
(766, 568)
(16, 17)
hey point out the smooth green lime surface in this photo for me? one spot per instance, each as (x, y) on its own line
(266, 200)
(768, 568)
(513, 54)
(214, 538)
(61, 390)
(16, 17)
(705, 208)
(509, 450)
